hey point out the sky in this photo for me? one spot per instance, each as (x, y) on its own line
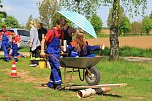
(22, 9)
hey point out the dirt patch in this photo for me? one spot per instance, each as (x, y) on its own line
(26, 78)
(137, 98)
(137, 41)
(138, 59)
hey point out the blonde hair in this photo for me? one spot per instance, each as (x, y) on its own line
(80, 40)
(32, 22)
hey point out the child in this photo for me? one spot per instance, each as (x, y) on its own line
(15, 40)
(5, 42)
(52, 39)
(80, 48)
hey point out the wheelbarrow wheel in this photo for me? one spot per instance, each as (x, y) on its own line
(92, 76)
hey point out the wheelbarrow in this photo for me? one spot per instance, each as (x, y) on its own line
(87, 64)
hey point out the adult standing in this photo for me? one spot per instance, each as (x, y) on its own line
(67, 32)
(41, 31)
(52, 39)
(34, 44)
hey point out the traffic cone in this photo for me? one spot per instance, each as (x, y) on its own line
(13, 70)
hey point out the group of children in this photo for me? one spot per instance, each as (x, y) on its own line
(9, 42)
(76, 48)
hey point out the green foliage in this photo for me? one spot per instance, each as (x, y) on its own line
(125, 26)
(136, 27)
(146, 25)
(48, 12)
(96, 23)
(127, 51)
(84, 7)
(3, 14)
(121, 16)
(133, 6)
(28, 22)
(123, 22)
(11, 22)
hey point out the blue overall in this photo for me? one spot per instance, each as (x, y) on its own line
(53, 49)
(5, 46)
(83, 53)
(15, 51)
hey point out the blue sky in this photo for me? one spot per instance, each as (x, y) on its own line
(22, 9)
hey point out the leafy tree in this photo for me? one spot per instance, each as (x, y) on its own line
(47, 11)
(28, 22)
(2, 13)
(84, 7)
(96, 23)
(114, 29)
(30, 19)
(136, 27)
(125, 26)
(121, 16)
(146, 25)
(128, 4)
(11, 22)
(150, 15)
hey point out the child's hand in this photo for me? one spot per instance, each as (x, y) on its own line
(102, 47)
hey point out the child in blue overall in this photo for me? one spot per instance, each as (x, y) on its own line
(52, 39)
(5, 43)
(15, 40)
(80, 48)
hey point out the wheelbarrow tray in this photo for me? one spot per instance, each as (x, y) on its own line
(80, 62)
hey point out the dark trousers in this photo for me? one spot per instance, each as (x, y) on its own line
(35, 54)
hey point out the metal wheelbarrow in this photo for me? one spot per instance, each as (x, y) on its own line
(87, 64)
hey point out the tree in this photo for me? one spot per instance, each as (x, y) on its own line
(28, 22)
(136, 27)
(131, 6)
(11, 22)
(146, 25)
(84, 7)
(150, 15)
(47, 11)
(125, 26)
(96, 23)
(2, 13)
(121, 15)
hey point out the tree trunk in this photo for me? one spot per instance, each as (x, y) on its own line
(114, 43)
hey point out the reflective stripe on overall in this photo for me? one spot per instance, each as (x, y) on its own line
(53, 49)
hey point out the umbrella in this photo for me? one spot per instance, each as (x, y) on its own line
(80, 21)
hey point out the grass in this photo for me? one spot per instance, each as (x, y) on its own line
(127, 51)
(137, 75)
(24, 49)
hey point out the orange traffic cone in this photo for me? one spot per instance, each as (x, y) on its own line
(13, 70)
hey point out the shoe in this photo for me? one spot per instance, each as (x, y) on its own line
(33, 65)
(58, 87)
(16, 60)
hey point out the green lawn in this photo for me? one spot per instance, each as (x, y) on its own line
(137, 75)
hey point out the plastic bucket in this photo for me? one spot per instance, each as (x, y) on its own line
(42, 64)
